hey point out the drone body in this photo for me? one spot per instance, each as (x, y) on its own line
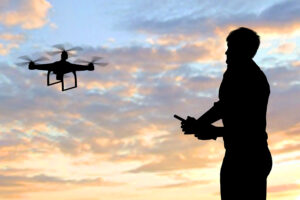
(62, 67)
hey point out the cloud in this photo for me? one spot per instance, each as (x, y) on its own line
(16, 171)
(5, 49)
(27, 14)
(17, 186)
(19, 180)
(285, 48)
(280, 17)
(296, 63)
(287, 149)
(140, 85)
(283, 78)
(186, 158)
(286, 141)
(12, 37)
(128, 94)
(10, 41)
(183, 184)
(283, 188)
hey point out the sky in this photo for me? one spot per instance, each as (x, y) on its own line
(114, 137)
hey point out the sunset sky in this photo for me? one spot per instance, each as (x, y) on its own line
(114, 137)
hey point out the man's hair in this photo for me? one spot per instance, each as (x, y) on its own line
(246, 39)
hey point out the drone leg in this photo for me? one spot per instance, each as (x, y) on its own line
(62, 83)
(48, 78)
(75, 77)
(75, 85)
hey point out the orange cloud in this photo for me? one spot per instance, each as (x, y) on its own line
(296, 64)
(5, 49)
(30, 14)
(284, 48)
(264, 31)
(17, 186)
(283, 188)
(12, 37)
(171, 40)
(100, 85)
(183, 184)
(191, 158)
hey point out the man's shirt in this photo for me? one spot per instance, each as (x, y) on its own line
(243, 99)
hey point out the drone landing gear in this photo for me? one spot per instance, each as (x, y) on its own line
(75, 85)
(48, 79)
(62, 82)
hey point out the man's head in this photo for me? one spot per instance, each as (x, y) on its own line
(242, 45)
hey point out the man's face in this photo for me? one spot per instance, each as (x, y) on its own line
(235, 53)
(231, 53)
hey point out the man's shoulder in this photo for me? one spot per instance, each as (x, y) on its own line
(261, 80)
(260, 74)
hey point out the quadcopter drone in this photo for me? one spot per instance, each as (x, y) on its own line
(62, 67)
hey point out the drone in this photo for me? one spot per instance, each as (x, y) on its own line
(61, 67)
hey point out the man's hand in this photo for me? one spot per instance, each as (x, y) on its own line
(201, 131)
(189, 126)
(208, 132)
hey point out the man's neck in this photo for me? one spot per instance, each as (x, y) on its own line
(241, 64)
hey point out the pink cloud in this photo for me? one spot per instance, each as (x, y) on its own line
(283, 188)
(285, 48)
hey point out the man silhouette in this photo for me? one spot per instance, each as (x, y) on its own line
(242, 106)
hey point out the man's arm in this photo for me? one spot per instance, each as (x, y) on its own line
(203, 128)
(212, 115)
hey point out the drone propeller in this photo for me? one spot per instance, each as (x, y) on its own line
(59, 46)
(53, 53)
(93, 61)
(29, 60)
(74, 49)
(62, 48)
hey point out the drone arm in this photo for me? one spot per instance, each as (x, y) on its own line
(46, 67)
(78, 67)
